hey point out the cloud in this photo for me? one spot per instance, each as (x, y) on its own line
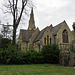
(48, 12)
(54, 11)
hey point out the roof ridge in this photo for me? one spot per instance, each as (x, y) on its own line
(58, 24)
(39, 34)
(56, 28)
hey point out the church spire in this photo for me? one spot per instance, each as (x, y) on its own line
(31, 21)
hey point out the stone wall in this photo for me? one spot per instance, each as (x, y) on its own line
(72, 61)
(59, 34)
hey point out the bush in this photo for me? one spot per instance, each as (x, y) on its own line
(37, 57)
(51, 53)
(64, 58)
(73, 49)
(4, 42)
(33, 57)
(10, 55)
(13, 56)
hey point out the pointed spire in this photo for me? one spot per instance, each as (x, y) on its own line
(31, 21)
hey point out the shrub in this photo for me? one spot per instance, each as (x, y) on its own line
(73, 49)
(4, 42)
(51, 53)
(37, 57)
(64, 58)
(33, 57)
(11, 55)
(2, 55)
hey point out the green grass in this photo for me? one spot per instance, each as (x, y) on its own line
(36, 69)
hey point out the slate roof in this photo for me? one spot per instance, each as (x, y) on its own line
(56, 28)
(39, 35)
(26, 34)
(54, 31)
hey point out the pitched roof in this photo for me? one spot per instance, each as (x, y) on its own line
(56, 28)
(26, 34)
(39, 35)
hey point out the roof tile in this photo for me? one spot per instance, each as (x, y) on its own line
(26, 34)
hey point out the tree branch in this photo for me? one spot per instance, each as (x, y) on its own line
(24, 3)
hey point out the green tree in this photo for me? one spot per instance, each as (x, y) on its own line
(51, 53)
(4, 42)
(11, 56)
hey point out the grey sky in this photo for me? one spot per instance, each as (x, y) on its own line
(53, 12)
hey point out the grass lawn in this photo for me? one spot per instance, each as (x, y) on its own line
(36, 69)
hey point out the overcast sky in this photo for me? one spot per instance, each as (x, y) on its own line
(53, 12)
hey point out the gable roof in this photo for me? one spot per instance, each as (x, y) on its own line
(39, 35)
(26, 34)
(56, 28)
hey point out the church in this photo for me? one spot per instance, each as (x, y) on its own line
(33, 38)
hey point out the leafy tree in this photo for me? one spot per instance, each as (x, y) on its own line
(33, 57)
(36, 57)
(51, 53)
(11, 56)
(4, 42)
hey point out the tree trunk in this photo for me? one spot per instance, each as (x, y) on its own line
(14, 36)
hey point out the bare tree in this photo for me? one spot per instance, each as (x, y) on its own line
(17, 8)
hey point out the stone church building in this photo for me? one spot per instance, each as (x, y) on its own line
(33, 38)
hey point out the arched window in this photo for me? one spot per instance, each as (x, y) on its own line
(45, 40)
(65, 36)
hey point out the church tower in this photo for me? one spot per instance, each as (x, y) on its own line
(31, 21)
